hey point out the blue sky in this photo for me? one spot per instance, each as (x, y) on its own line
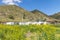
(47, 6)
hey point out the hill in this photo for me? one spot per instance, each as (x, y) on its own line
(15, 13)
(42, 16)
(39, 15)
(56, 16)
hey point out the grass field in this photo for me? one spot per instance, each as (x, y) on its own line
(29, 32)
(57, 33)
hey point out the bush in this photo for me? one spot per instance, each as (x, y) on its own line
(11, 17)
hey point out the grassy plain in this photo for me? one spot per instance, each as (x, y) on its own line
(29, 32)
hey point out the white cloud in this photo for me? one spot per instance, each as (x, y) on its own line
(11, 2)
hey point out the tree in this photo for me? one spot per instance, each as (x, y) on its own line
(11, 17)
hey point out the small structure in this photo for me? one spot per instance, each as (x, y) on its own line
(24, 23)
(37, 23)
(45, 23)
(9, 23)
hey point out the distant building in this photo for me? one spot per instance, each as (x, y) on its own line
(9, 23)
(24, 23)
(38, 23)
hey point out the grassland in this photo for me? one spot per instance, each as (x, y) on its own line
(29, 32)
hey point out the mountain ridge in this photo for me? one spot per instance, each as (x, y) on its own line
(15, 13)
(56, 16)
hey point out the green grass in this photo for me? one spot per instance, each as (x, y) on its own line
(57, 33)
(28, 32)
